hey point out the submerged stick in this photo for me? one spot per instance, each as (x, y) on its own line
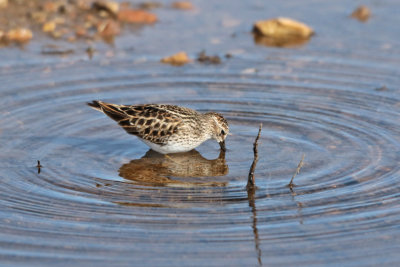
(291, 184)
(250, 179)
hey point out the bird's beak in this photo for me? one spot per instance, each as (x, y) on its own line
(222, 145)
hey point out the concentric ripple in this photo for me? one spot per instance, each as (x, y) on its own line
(101, 199)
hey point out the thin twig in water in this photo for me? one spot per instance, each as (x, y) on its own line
(250, 180)
(291, 184)
(38, 166)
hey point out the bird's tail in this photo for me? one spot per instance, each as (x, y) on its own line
(111, 110)
(95, 105)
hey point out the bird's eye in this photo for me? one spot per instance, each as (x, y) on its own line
(222, 132)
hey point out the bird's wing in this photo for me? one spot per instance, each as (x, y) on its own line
(153, 123)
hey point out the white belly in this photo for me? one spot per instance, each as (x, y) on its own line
(171, 148)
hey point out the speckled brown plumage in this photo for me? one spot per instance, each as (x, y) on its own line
(167, 128)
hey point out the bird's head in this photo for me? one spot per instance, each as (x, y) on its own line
(220, 128)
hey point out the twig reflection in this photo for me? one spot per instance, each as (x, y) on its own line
(299, 205)
(252, 204)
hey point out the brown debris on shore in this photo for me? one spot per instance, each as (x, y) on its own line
(177, 59)
(111, 8)
(136, 16)
(362, 13)
(185, 5)
(108, 28)
(18, 35)
(3, 3)
(87, 20)
(149, 5)
(207, 59)
(281, 32)
(282, 27)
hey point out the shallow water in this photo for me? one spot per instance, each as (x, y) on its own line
(102, 199)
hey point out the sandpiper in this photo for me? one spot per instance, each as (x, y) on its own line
(167, 128)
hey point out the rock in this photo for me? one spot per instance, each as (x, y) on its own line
(39, 16)
(71, 39)
(90, 21)
(136, 16)
(108, 28)
(80, 31)
(57, 34)
(84, 4)
(177, 59)
(228, 55)
(362, 13)
(150, 5)
(64, 9)
(59, 20)
(282, 28)
(204, 58)
(110, 7)
(19, 35)
(49, 26)
(50, 6)
(182, 5)
(3, 3)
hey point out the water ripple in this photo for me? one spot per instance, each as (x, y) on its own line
(99, 194)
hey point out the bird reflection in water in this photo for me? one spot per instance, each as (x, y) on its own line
(155, 169)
